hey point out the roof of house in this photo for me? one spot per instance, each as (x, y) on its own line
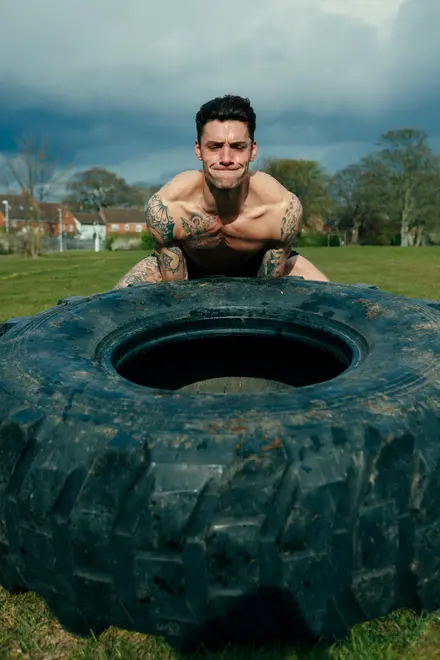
(88, 218)
(19, 208)
(124, 216)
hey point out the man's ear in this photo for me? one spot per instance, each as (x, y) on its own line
(254, 151)
(197, 150)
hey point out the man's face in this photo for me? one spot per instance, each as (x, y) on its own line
(225, 150)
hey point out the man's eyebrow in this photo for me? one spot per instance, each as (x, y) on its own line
(241, 143)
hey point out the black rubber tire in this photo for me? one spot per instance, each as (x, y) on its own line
(220, 518)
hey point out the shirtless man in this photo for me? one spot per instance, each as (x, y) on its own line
(223, 219)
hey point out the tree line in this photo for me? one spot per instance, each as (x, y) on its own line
(389, 197)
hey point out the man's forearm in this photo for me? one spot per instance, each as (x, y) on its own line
(273, 263)
(172, 263)
(144, 271)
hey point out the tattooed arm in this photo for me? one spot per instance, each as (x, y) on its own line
(170, 257)
(274, 260)
(273, 263)
(142, 272)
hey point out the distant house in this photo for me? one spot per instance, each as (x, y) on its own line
(17, 214)
(88, 225)
(124, 221)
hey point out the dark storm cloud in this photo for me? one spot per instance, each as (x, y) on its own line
(325, 78)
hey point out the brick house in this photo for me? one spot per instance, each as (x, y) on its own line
(124, 221)
(17, 213)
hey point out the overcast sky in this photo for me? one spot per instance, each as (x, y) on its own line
(117, 84)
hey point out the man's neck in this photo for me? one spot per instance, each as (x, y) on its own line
(223, 202)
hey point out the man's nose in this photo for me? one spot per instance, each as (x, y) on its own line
(226, 156)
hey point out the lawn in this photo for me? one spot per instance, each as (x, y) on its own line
(30, 285)
(28, 631)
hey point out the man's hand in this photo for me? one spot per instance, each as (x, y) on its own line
(275, 259)
(170, 257)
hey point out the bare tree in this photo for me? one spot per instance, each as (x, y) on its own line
(37, 171)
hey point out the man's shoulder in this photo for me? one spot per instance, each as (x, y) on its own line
(180, 188)
(269, 190)
(283, 207)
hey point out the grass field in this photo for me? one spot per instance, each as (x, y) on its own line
(30, 285)
(29, 632)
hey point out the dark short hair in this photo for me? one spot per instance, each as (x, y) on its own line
(225, 108)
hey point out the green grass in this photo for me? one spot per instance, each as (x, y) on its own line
(29, 285)
(27, 629)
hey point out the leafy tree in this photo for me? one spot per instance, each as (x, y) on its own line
(97, 188)
(412, 181)
(359, 192)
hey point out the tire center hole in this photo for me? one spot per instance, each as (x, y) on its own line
(226, 362)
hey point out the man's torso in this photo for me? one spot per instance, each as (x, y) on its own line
(225, 244)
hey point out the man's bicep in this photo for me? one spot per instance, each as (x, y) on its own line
(291, 221)
(160, 223)
(285, 229)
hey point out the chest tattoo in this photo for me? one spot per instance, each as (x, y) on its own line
(201, 230)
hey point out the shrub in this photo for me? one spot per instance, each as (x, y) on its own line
(126, 243)
(146, 241)
(317, 240)
(116, 242)
(109, 240)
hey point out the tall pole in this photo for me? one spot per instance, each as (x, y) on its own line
(97, 246)
(6, 203)
(60, 218)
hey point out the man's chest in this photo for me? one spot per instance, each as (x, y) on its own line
(199, 230)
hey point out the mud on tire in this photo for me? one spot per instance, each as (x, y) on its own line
(297, 499)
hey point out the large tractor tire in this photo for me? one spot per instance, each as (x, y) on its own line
(223, 461)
